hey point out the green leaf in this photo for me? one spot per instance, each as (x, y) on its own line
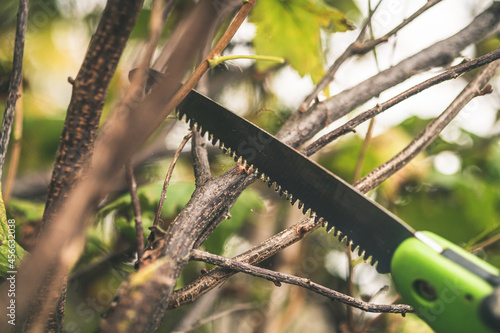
(26, 211)
(459, 207)
(292, 30)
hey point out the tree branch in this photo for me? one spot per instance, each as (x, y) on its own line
(360, 47)
(16, 148)
(141, 305)
(126, 130)
(277, 278)
(477, 87)
(452, 73)
(300, 127)
(89, 93)
(257, 254)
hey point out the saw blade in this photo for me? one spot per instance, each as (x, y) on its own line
(366, 225)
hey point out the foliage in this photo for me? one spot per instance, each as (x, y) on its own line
(292, 30)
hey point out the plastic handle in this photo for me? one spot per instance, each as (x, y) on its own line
(448, 287)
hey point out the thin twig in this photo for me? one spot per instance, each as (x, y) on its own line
(16, 148)
(259, 253)
(362, 153)
(369, 45)
(488, 242)
(358, 47)
(136, 206)
(451, 73)
(277, 278)
(477, 87)
(330, 75)
(168, 176)
(15, 81)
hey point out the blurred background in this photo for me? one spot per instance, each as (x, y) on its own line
(451, 189)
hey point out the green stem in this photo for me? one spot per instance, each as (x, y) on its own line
(219, 59)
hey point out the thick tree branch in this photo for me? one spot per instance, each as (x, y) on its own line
(277, 278)
(141, 305)
(89, 93)
(78, 135)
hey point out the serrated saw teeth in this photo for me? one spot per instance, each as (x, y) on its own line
(305, 208)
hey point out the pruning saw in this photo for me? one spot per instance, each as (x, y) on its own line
(449, 288)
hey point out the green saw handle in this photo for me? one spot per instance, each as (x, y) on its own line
(449, 288)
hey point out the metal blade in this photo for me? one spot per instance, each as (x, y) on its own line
(362, 221)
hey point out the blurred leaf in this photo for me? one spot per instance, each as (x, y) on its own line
(141, 28)
(458, 207)
(27, 211)
(346, 6)
(39, 142)
(292, 30)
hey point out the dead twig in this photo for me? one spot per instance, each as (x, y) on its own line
(168, 176)
(277, 278)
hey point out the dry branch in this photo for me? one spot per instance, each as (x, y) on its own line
(141, 306)
(277, 278)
